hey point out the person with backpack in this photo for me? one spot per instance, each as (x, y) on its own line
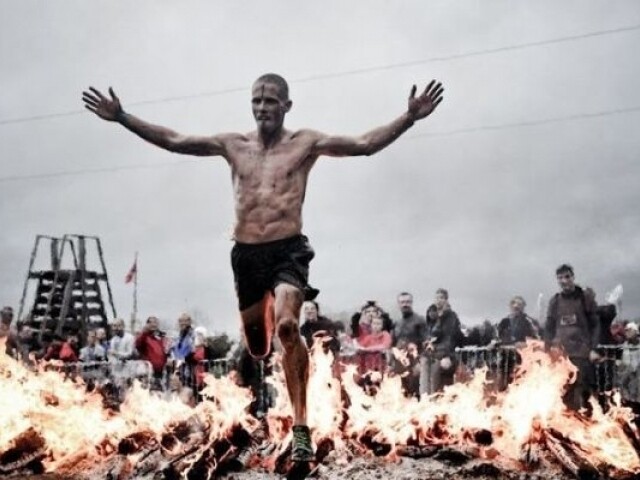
(573, 328)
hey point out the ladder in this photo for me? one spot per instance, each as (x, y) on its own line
(67, 298)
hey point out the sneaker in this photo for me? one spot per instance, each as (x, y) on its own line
(301, 449)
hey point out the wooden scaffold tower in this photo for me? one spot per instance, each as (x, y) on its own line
(67, 298)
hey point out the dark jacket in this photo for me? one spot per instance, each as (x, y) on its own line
(411, 329)
(572, 322)
(515, 329)
(308, 329)
(445, 333)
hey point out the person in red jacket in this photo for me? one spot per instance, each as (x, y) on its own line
(63, 350)
(199, 356)
(150, 344)
(372, 347)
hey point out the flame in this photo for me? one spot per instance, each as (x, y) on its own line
(73, 422)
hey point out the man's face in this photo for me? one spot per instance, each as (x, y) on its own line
(310, 312)
(405, 303)
(516, 306)
(631, 334)
(153, 324)
(269, 108)
(566, 281)
(6, 315)
(91, 338)
(118, 328)
(73, 339)
(184, 322)
(101, 334)
(440, 300)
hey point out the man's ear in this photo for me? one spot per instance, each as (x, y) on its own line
(287, 106)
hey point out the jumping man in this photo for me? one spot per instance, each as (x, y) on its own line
(270, 258)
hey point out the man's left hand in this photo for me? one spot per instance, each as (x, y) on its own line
(424, 104)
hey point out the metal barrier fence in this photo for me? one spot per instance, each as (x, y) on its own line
(500, 362)
(120, 374)
(103, 371)
(192, 374)
(618, 367)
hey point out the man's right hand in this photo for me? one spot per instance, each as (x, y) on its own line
(106, 108)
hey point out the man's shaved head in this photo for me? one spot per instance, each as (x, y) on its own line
(277, 80)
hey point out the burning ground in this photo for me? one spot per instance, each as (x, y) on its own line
(54, 426)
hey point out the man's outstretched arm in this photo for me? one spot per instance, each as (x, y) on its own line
(111, 110)
(418, 108)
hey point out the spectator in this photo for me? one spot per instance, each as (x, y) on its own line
(121, 346)
(372, 348)
(411, 328)
(513, 330)
(6, 316)
(150, 345)
(482, 335)
(517, 327)
(101, 337)
(617, 335)
(630, 363)
(11, 341)
(314, 324)
(361, 321)
(182, 349)
(27, 342)
(92, 352)
(573, 327)
(445, 336)
(199, 355)
(68, 351)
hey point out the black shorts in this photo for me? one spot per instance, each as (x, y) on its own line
(259, 268)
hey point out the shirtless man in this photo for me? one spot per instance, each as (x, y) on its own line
(269, 168)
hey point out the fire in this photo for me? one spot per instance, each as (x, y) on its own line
(78, 431)
(74, 422)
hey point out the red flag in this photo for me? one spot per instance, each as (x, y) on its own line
(132, 272)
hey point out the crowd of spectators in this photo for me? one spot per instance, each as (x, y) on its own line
(113, 355)
(428, 352)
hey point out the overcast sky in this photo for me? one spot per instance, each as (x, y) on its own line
(485, 212)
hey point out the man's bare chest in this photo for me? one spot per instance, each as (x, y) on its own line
(281, 164)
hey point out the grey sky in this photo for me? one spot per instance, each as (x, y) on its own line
(486, 214)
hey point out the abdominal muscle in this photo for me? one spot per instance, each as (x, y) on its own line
(268, 214)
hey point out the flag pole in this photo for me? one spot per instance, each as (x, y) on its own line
(134, 312)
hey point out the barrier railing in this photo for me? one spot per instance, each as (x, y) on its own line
(619, 369)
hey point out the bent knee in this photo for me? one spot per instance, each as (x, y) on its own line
(288, 330)
(288, 294)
